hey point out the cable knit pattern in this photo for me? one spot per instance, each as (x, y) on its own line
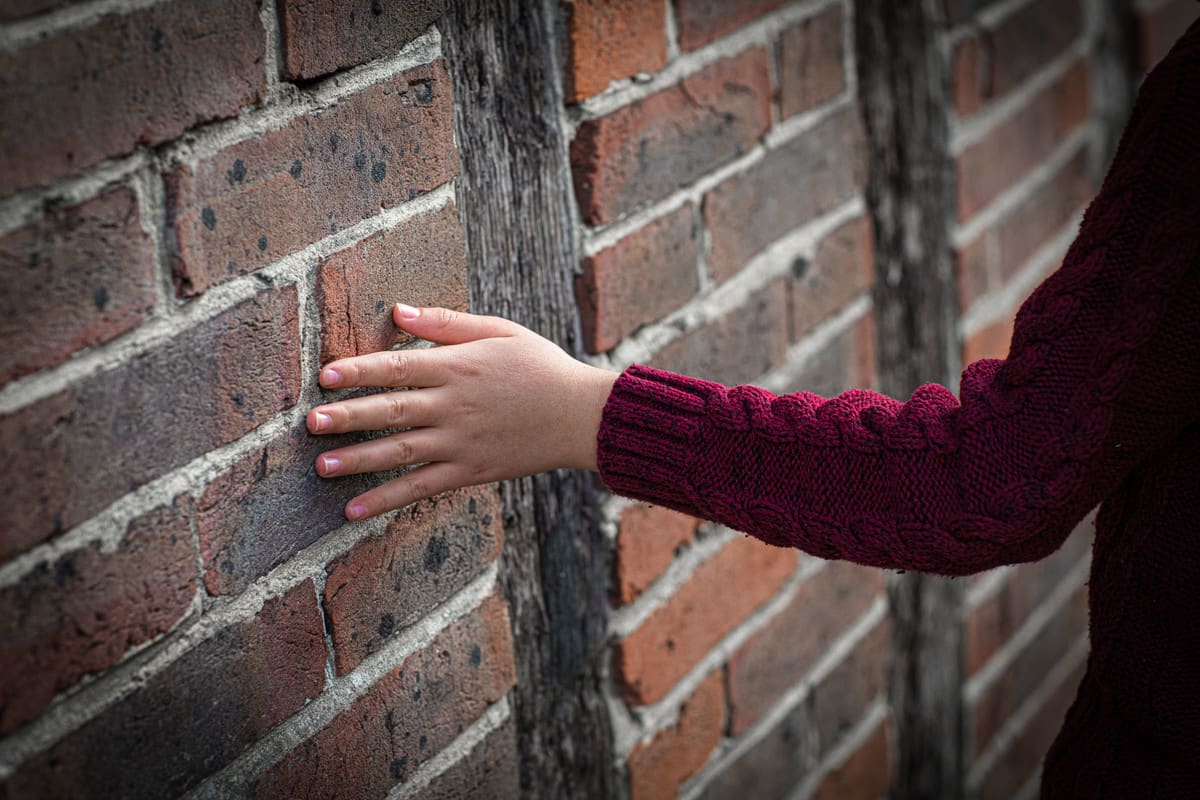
(1099, 393)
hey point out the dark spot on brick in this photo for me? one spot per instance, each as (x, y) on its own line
(296, 169)
(239, 400)
(262, 243)
(360, 161)
(333, 227)
(387, 624)
(64, 570)
(416, 695)
(377, 7)
(231, 267)
(487, 520)
(93, 74)
(238, 173)
(423, 742)
(423, 91)
(333, 142)
(378, 171)
(416, 149)
(100, 298)
(389, 721)
(208, 217)
(436, 553)
(227, 566)
(354, 636)
(472, 506)
(414, 192)
(799, 267)
(380, 306)
(398, 767)
(158, 39)
(476, 656)
(477, 541)
(34, 258)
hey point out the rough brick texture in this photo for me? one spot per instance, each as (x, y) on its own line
(811, 70)
(657, 768)
(612, 39)
(647, 540)
(209, 704)
(20, 9)
(640, 279)
(258, 200)
(82, 612)
(649, 661)
(323, 36)
(181, 398)
(842, 269)
(78, 277)
(847, 362)
(409, 715)
(139, 78)
(488, 772)
(806, 177)
(866, 772)
(644, 151)
(702, 21)
(429, 551)
(421, 262)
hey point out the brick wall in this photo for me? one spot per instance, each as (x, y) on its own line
(201, 201)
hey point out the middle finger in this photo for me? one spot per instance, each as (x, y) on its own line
(401, 409)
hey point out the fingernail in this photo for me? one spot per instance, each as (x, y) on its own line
(321, 421)
(332, 464)
(407, 312)
(356, 511)
(330, 377)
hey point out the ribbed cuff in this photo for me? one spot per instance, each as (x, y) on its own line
(648, 435)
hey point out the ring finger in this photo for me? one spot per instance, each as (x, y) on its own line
(400, 449)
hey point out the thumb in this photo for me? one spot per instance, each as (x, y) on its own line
(445, 326)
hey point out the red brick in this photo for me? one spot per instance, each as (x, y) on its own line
(116, 430)
(612, 39)
(740, 346)
(702, 21)
(647, 540)
(1017, 145)
(422, 262)
(843, 268)
(258, 200)
(659, 767)
(866, 773)
(77, 278)
(1024, 757)
(1159, 26)
(781, 654)
(489, 772)
(323, 36)
(430, 551)
(81, 95)
(639, 279)
(195, 716)
(676, 635)
(648, 149)
(846, 362)
(794, 183)
(810, 62)
(968, 74)
(82, 613)
(1028, 39)
(408, 716)
(1005, 694)
(990, 341)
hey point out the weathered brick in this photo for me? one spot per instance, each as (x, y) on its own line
(702, 21)
(270, 505)
(422, 263)
(323, 36)
(810, 62)
(1019, 143)
(846, 362)
(650, 148)
(1159, 26)
(867, 772)
(990, 341)
(206, 387)
(647, 540)
(81, 614)
(612, 39)
(738, 347)
(1004, 695)
(780, 655)
(258, 200)
(794, 183)
(843, 268)
(677, 634)
(196, 715)
(13, 10)
(659, 767)
(81, 95)
(430, 551)
(410, 714)
(488, 772)
(639, 279)
(77, 278)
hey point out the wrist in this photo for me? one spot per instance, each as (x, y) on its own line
(593, 394)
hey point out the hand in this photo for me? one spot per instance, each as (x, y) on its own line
(496, 402)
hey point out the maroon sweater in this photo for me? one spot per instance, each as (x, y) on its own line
(1097, 402)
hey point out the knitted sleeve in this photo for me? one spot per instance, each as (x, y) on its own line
(1103, 368)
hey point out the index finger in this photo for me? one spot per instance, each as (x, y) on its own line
(422, 368)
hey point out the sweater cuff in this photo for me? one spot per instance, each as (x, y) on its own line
(648, 435)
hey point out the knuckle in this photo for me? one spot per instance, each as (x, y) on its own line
(403, 450)
(417, 489)
(445, 316)
(397, 409)
(400, 366)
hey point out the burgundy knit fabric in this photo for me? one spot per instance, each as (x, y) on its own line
(1097, 402)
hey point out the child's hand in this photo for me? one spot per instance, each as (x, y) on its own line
(497, 402)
